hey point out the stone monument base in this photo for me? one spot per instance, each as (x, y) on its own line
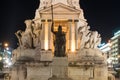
(59, 67)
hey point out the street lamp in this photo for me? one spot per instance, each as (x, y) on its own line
(6, 45)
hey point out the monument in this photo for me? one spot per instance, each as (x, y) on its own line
(58, 45)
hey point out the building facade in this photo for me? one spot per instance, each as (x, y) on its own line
(112, 48)
(106, 49)
(115, 47)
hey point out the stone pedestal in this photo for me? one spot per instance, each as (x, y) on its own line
(59, 67)
(39, 73)
(46, 55)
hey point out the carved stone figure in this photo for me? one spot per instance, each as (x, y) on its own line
(30, 38)
(88, 39)
(69, 2)
(73, 3)
(84, 34)
(94, 40)
(25, 37)
(98, 41)
(59, 42)
(19, 36)
(36, 34)
(45, 3)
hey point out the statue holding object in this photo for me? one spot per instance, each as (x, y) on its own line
(59, 42)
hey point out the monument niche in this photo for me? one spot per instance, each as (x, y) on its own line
(66, 50)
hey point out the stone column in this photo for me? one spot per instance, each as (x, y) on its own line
(46, 35)
(72, 35)
(43, 34)
(50, 39)
(76, 34)
(70, 32)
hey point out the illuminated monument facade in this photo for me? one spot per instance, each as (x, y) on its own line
(58, 45)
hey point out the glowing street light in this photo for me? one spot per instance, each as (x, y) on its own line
(6, 44)
(0, 58)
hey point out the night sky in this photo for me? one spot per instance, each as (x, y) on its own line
(101, 15)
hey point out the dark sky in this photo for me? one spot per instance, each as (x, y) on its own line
(101, 15)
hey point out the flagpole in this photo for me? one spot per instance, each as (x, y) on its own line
(52, 15)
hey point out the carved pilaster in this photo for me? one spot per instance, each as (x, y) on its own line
(50, 39)
(43, 34)
(76, 34)
(70, 32)
(72, 35)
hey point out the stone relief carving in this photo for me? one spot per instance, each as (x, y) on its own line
(29, 42)
(95, 39)
(88, 39)
(36, 34)
(30, 38)
(84, 34)
(73, 3)
(27, 35)
(45, 3)
(19, 36)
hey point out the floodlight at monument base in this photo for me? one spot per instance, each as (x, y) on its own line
(46, 36)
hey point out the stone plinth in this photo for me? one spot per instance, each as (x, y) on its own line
(46, 55)
(89, 64)
(80, 73)
(91, 73)
(38, 73)
(59, 67)
(101, 72)
(72, 56)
